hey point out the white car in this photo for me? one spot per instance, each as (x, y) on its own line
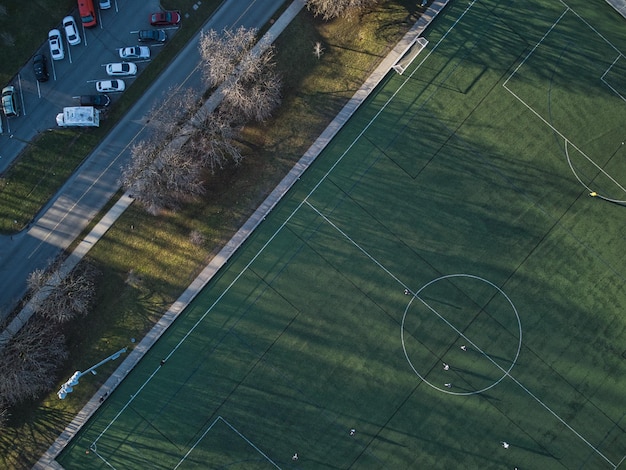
(105, 86)
(121, 69)
(71, 30)
(105, 4)
(135, 52)
(56, 45)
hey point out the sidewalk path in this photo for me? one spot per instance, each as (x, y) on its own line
(47, 461)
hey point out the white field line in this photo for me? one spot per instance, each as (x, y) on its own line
(132, 398)
(610, 67)
(219, 418)
(534, 48)
(607, 83)
(457, 331)
(250, 443)
(196, 443)
(554, 129)
(94, 449)
(591, 27)
(535, 397)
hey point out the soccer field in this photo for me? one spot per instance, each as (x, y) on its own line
(440, 280)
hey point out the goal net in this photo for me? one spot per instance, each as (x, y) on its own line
(409, 56)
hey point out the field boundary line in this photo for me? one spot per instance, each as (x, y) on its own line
(620, 7)
(532, 51)
(220, 418)
(550, 126)
(460, 333)
(607, 83)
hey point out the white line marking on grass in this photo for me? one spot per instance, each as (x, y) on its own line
(250, 443)
(505, 372)
(607, 83)
(196, 443)
(567, 141)
(591, 27)
(554, 129)
(132, 398)
(535, 47)
(457, 331)
(219, 418)
(94, 449)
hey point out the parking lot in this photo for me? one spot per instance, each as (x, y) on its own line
(82, 66)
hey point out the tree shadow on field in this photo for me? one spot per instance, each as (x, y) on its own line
(38, 428)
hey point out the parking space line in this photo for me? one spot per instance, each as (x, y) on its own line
(19, 83)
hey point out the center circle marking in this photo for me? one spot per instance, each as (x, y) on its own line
(519, 325)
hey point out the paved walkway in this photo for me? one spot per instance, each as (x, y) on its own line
(47, 460)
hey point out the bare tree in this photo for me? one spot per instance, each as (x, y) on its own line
(69, 296)
(318, 50)
(30, 361)
(253, 100)
(330, 9)
(167, 118)
(214, 141)
(250, 85)
(222, 53)
(167, 169)
(162, 177)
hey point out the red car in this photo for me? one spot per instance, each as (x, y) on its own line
(165, 18)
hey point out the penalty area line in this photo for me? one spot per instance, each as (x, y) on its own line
(219, 418)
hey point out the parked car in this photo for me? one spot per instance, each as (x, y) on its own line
(121, 68)
(10, 104)
(152, 35)
(135, 52)
(165, 18)
(105, 4)
(104, 86)
(97, 101)
(40, 67)
(71, 30)
(87, 13)
(56, 45)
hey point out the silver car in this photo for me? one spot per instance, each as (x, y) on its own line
(10, 104)
(56, 45)
(71, 30)
(105, 86)
(121, 69)
(135, 52)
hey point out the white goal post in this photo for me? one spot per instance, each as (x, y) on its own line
(410, 54)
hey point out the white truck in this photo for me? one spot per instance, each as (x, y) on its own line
(79, 116)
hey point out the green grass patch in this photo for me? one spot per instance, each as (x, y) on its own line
(43, 167)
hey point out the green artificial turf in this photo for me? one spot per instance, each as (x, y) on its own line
(453, 181)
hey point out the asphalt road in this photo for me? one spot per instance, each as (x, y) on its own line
(96, 181)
